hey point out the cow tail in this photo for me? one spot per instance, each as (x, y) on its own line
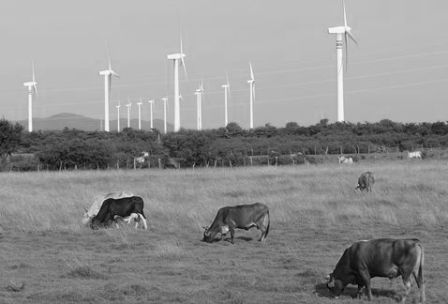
(420, 281)
(269, 224)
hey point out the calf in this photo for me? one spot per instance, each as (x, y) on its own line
(366, 181)
(241, 217)
(111, 209)
(388, 258)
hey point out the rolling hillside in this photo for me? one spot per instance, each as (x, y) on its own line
(75, 121)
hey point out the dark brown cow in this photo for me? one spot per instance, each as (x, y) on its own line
(366, 181)
(241, 217)
(387, 258)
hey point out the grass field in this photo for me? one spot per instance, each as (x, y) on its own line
(315, 215)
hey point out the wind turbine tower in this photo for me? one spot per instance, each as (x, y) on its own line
(164, 99)
(139, 105)
(226, 91)
(178, 58)
(342, 33)
(32, 88)
(151, 123)
(118, 116)
(129, 114)
(107, 88)
(251, 82)
(198, 94)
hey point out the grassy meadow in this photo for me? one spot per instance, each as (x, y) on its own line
(47, 256)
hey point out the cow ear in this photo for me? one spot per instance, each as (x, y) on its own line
(205, 227)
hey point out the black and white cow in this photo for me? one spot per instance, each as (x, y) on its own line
(129, 208)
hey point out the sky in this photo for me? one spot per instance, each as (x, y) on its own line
(398, 70)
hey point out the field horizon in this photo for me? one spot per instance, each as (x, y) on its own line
(315, 214)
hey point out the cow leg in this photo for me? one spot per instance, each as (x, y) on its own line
(407, 286)
(145, 226)
(365, 276)
(359, 293)
(232, 233)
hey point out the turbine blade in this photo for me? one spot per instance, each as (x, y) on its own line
(345, 15)
(35, 89)
(346, 51)
(352, 37)
(253, 91)
(185, 68)
(109, 63)
(251, 72)
(32, 67)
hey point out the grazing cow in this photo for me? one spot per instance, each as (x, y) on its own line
(415, 154)
(387, 258)
(345, 160)
(241, 217)
(97, 202)
(366, 181)
(128, 208)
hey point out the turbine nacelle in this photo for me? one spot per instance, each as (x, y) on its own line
(177, 56)
(108, 72)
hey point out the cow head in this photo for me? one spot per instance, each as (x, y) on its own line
(214, 235)
(334, 285)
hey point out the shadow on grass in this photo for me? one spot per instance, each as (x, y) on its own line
(322, 291)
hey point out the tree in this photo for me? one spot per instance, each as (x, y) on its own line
(10, 137)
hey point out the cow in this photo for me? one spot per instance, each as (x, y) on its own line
(141, 160)
(241, 217)
(366, 181)
(387, 257)
(128, 208)
(415, 154)
(97, 202)
(345, 160)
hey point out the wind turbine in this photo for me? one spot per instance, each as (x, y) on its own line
(118, 116)
(226, 87)
(178, 58)
(251, 83)
(32, 88)
(129, 113)
(164, 99)
(198, 94)
(341, 31)
(107, 88)
(139, 105)
(151, 102)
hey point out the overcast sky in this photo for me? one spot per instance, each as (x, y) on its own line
(398, 71)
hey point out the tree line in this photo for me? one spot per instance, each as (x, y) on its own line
(230, 146)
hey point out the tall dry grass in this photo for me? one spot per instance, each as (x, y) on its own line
(405, 193)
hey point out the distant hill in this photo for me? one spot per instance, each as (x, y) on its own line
(75, 121)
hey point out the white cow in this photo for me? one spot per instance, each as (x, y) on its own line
(415, 154)
(141, 159)
(98, 201)
(345, 160)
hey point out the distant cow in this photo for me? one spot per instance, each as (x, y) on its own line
(415, 154)
(98, 201)
(241, 217)
(345, 160)
(112, 209)
(366, 181)
(387, 258)
(170, 163)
